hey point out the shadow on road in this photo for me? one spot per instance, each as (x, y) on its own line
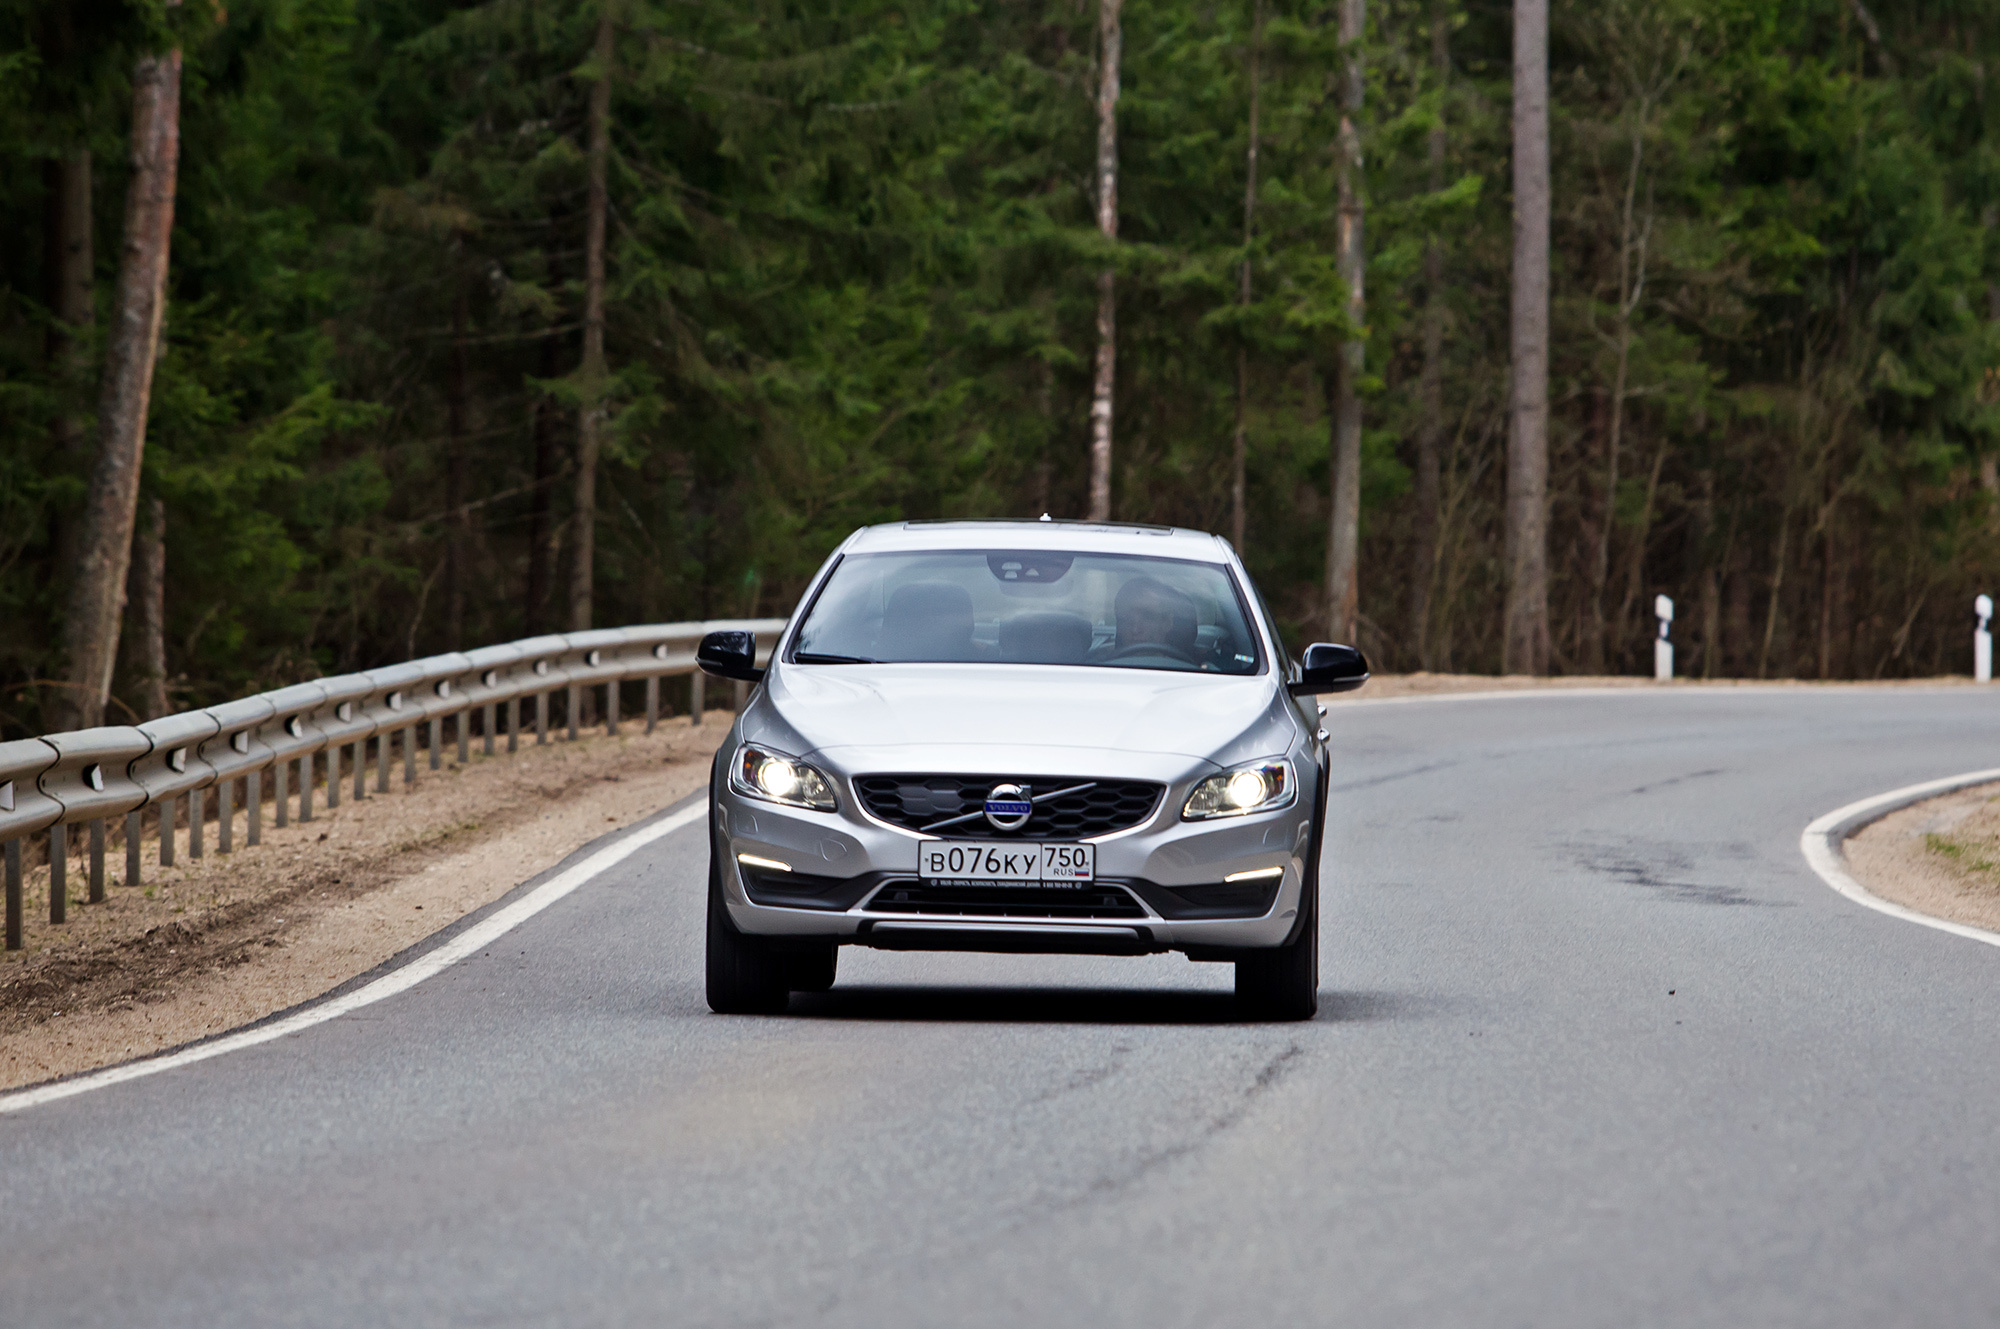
(1022, 1005)
(1018, 1005)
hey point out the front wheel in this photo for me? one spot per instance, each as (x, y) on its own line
(1283, 983)
(813, 970)
(745, 977)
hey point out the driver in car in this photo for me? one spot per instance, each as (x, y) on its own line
(1152, 613)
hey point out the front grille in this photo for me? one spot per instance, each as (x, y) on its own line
(919, 801)
(1007, 901)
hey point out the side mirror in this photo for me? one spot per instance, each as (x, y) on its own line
(1330, 668)
(730, 654)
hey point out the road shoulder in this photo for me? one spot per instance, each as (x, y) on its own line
(1939, 857)
(220, 942)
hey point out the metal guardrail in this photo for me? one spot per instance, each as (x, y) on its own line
(88, 777)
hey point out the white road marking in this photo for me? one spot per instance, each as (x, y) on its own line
(469, 942)
(1822, 839)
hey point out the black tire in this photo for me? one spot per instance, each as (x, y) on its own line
(745, 976)
(813, 970)
(1282, 983)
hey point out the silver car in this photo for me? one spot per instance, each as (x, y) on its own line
(1032, 736)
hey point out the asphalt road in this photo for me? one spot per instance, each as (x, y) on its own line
(1595, 1048)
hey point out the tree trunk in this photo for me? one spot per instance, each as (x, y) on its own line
(1110, 41)
(1238, 455)
(1777, 594)
(1430, 381)
(97, 599)
(71, 264)
(590, 420)
(1525, 645)
(457, 549)
(148, 650)
(1633, 237)
(1343, 580)
(543, 535)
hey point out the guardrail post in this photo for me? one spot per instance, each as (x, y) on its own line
(464, 735)
(225, 817)
(13, 856)
(1663, 647)
(253, 803)
(333, 776)
(611, 707)
(97, 861)
(409, 755)
(487, 722)
(59, 873)
(196, 815)
(132, 857)
(513, 724)
(382, 762)
(307, 768)
(573, 708)
(695, 697)
(436, 739)
(652, 701)
(1982, 640)
(360, 769)
(281, 794)
(167, 831)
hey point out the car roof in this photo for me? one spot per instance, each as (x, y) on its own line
(1032, 533)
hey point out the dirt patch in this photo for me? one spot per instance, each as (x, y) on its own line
(217, 942)
(1421, 684)
(1940, 857)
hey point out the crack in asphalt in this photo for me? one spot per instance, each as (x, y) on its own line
(1678, 779)
(1662, 867)
(1153, 1160)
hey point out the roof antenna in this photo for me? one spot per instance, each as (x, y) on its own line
(1046, 517)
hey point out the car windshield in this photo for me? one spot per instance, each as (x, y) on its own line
(1030, 607)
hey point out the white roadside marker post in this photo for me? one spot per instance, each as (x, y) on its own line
(1663, 649)
(1982, 640)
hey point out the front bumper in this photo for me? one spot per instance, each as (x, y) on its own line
(1160, 886)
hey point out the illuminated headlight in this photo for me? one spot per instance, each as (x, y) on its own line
(776, 778)
(1262, 786)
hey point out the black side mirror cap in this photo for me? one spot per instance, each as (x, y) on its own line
(731, 654)
(1328, 667)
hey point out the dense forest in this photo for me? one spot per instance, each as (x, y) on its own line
(850, 265)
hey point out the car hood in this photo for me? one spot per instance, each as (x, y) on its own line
(968, 708)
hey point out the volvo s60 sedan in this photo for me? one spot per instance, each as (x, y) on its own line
(1029, 736)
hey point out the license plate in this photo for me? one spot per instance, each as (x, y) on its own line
(1001, 862)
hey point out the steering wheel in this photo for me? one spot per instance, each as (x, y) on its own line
(1156, 648)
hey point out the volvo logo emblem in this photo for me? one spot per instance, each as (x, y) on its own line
(1008, 808)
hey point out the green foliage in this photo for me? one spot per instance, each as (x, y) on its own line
(852, 278)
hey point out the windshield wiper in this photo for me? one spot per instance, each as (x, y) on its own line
(815, 657)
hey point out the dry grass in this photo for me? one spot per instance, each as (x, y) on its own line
(1940, 857)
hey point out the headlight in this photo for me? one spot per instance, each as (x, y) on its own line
(1261, 786)
(776, 778)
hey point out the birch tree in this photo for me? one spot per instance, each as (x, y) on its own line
(1110, 42)
(1525, 643)
(1343, 582)
(1430, 380)
(591, 374)
(1238, 455)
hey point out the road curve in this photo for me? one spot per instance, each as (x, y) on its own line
(1596, 1048)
